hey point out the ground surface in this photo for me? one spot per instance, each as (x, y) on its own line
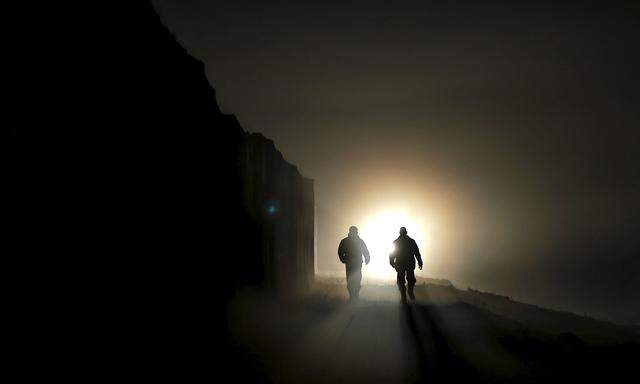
(328, 340)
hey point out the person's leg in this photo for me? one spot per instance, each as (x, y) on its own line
(357, 279)
(400, 281)
(349, 280)
(411, 282)
(400, 278)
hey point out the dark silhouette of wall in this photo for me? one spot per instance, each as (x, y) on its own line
(135, 210)
(275, 245)
(281, 204)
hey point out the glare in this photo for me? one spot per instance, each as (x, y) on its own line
(379, 231)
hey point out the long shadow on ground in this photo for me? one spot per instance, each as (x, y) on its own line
(330, 341)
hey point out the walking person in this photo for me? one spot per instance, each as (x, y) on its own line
(403, 259)
(350, 251)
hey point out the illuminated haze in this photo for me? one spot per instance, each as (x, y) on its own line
(509, 133)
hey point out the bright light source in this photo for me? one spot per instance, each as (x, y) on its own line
(379, 232)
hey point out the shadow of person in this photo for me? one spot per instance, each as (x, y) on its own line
(416, 359)
(430, 357)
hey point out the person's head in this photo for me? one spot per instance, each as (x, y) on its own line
(403, 231)
(353, 230)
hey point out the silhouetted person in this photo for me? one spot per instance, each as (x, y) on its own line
(350, 252)
(403, 259)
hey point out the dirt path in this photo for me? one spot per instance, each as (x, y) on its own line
(338, 342)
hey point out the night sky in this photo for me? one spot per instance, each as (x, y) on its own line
(509, 131)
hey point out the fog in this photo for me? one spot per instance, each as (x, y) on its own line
(507, 132)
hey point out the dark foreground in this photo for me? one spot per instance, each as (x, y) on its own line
(326, 340)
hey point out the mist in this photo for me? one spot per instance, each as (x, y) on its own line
(509, 131)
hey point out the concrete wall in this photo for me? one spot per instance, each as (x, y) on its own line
(280, 202)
